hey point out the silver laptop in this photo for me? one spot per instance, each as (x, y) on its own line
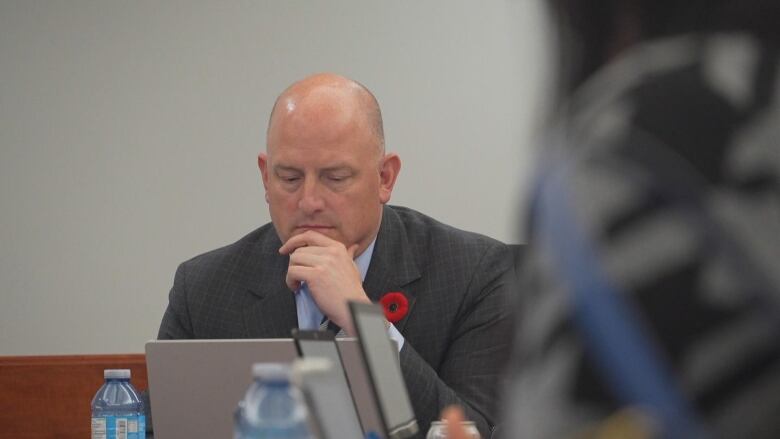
(195, 385)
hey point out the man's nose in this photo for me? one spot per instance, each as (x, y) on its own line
(311, 198)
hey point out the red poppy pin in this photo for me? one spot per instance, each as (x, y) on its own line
(395, 305)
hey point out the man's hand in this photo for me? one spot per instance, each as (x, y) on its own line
(453, 416)
(329, 270)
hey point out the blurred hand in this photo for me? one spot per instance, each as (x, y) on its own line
(453, 416)
(329, 270)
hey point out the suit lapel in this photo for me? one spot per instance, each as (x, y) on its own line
(393, 264)
(270, 310)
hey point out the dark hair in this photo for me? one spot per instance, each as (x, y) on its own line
(590, 31)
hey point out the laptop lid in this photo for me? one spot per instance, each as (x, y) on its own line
(322, 344)
(380, 358)
(195, 385)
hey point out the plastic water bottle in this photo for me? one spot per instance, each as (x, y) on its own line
(117, 411)
(272, 408)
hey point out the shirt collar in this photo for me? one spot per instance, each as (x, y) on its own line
(364, 260)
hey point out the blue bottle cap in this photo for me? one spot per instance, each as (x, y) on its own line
(116, 374)
(271, 371)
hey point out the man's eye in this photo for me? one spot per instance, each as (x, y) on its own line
(338, 177)
(290, 179)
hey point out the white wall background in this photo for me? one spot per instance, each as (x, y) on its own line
(129, 131)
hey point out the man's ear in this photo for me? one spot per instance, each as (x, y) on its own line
(262, 163)
(388, 172)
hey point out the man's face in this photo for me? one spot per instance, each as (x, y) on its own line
(323, 172)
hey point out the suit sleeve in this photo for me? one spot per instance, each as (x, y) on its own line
(176, 323)
(470, 372)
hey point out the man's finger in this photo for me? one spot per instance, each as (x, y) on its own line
(307, 259)
(297, 274)
(307, 238)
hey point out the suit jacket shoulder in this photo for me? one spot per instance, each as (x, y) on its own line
(428, 236)
(414, 245)
(218, 294)
(237, 256)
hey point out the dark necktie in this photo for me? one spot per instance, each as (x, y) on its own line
(326, 324)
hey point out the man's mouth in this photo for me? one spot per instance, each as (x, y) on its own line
(305, 227)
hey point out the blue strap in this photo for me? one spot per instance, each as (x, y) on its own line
(635, 370)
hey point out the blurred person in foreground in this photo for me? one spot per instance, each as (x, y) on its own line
(653, 273)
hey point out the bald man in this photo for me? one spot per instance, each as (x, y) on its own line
(334, 239)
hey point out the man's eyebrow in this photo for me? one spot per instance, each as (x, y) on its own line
(285, 168)
(338, 168)
(341, 167)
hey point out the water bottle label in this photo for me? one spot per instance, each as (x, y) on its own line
(119, 427)
(98, 428)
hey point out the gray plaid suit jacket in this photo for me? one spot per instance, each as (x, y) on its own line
(457, 329)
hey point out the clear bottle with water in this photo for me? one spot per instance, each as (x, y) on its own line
(272, 408)
(117, 410)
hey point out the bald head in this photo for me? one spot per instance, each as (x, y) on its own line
(326, 104)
